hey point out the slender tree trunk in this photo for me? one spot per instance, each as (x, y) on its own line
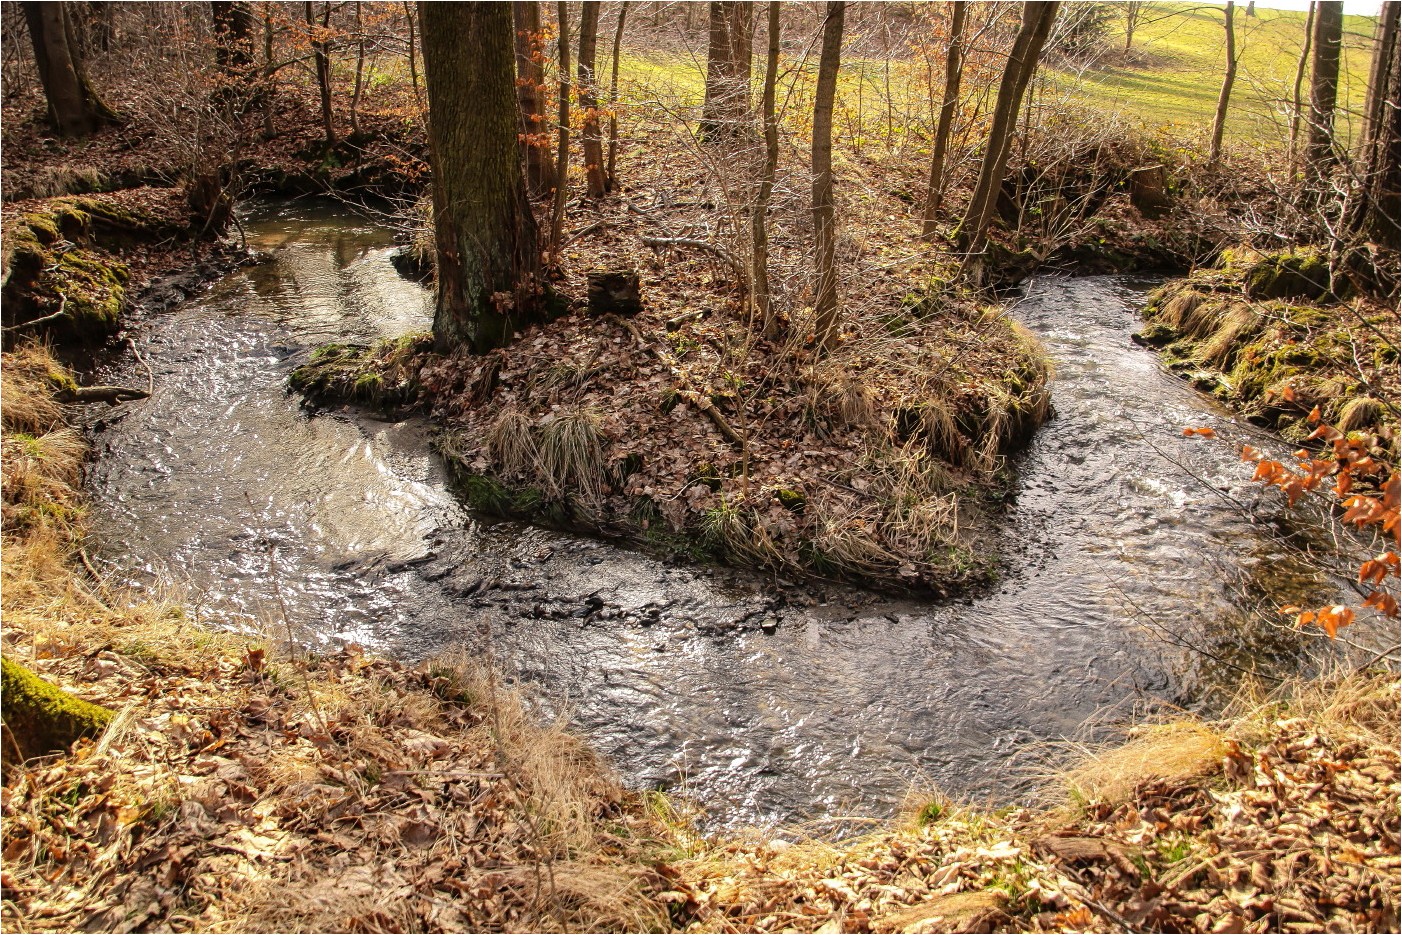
(824, 220)
(972, 235)
(591, 144)
(1224, 98)
(75, 109)
(610, 179)
(359, 70)
(1375, 208)
(727, 102)
(413, 67)
(323, 66)
(763, 310)
(562, 152)
(1324, 86)
(530, 87)
(483, 224)
(953, 76)
(1297, 108)
(269, 88)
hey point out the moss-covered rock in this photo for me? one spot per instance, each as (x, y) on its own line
(385, 375)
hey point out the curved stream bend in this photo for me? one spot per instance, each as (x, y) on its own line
(765, 711)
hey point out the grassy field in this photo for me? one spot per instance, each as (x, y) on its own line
(1185, 43)
(1172, 83)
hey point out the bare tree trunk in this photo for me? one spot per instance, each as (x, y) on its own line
(323, 66)
(530, 87)
(562, 152)
(1224, 98)
(413, 67)
(953, 77)
(1134, 9)
(1324, 86)
(610, 179)
(762, 308)
(1297, 110)
(269, 88)
(359, 70)
(727, 103)
(75, 109)
(591, 143)
(483, 223)
(972, 235)
(1375, 210)
(824, 221)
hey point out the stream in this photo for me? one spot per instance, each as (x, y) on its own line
(766, 706)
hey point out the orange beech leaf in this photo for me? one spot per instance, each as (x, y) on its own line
(1315, 415)
(1343, 485)
(1288, 393)
(1324, 431)
(1250, 454)
(1372, 572)
(1204, 432)
(1265, 470)
(1383, 602)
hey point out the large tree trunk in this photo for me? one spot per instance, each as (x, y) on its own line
(1297, 111)
(320, 52)
(972, 236)
(485, 231)
(763, 311)
(1224, 97)
(591, 143)
(530, 94)
(824, 221)
(75, 109)
(953, 76)
(1374, 211)
(727, 105)
(1324, 86)
(41, 718)
(233, 36)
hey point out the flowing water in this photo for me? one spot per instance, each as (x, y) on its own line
(1129, 574)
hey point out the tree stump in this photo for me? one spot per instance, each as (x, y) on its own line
(615, 291)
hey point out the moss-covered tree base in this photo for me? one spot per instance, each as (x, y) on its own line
(41, 718)
(383, 376)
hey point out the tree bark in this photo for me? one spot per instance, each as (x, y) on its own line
(1324, 86)
(359, 70)
(42, 718)
(1224, 97)
(1375, 208)
(413, 67)
(562, 151)
(727, 102)
(1297, 108)
(530, 88)
(233, 37)
(75, 109)
(483, 224)
(762, 308)
(320, 43)
(824, 221)
(953, 77)
(591, 144)
(972, 235)
(610, 179)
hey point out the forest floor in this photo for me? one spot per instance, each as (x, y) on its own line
(243, 788)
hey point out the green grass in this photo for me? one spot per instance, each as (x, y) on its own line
(1186, 45)
(1181, 44)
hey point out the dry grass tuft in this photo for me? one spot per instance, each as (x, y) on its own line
(1173, 752)
(1360, 413)
(511, 444)
(571, 453)
(1220, 349)
(1176, 310)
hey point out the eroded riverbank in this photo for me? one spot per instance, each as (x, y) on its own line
(767, 703)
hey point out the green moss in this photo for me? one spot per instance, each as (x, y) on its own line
(42, 718)
(792, 500)
(1302, 273)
